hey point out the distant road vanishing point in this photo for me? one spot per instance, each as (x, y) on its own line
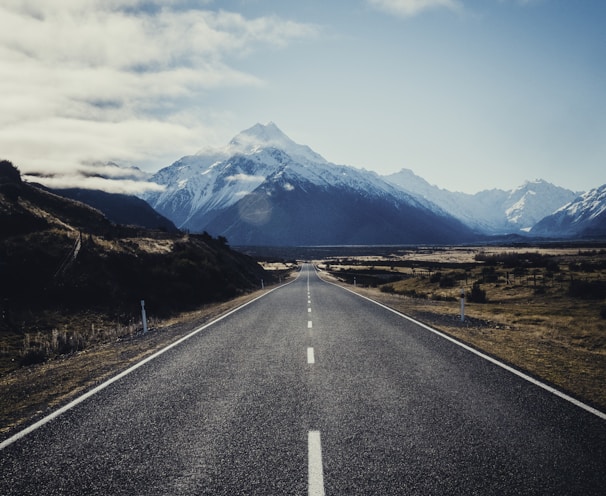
(311, 389)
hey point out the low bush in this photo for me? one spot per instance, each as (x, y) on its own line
(588, 290)
(477, 294)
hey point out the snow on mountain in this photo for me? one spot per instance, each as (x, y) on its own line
(493, 211)
(263, 169)
(270, 136)
(529, 203)
(217, 178)
(584, 216)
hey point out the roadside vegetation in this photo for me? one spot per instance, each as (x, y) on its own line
(540, 309)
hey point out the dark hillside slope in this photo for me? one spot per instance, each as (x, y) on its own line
(119, 208)
(61, 256)
(25, 208)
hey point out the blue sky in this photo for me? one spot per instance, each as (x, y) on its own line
(469, 94)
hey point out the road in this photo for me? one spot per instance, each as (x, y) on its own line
(313, 390)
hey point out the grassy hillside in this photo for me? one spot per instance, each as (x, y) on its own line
(71, 278)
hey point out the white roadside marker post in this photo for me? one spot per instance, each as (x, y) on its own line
(143, 316)
(462, 305)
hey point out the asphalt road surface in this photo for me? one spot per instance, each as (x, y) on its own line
(313, 390)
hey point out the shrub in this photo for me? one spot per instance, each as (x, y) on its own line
(448, 281)
(587, 290)
(32, 357)
(477, 294)
(444, 280)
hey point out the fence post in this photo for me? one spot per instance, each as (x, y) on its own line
(462, 305)
(143, 316)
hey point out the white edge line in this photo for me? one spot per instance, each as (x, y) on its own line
(528, 378)
(95, 390)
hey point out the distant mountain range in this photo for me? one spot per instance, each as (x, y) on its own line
(493, 211)
(265, 189)
(262, 188)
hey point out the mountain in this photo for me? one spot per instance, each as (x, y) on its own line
(493, 211)
(583, 217)
(263, 188)
(120, 208)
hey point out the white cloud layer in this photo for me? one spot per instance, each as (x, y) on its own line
(409, 8)
(123, 186)
(100, 80)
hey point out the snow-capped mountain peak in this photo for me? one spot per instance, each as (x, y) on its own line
(259, 134)
(262, 136)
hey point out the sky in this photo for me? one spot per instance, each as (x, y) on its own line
(469, 94)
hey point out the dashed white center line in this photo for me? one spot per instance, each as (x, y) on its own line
(309, 310)
(309, 324)
(310, 356)
(315, 472)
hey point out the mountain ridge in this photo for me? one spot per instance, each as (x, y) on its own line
(584, 217)
(494, 211)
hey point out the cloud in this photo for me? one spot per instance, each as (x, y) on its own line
(409, 8)
(246, 178)
(123, 186)
(88, 81)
